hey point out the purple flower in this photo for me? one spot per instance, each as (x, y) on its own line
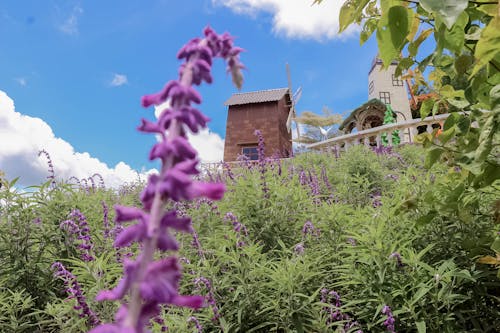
(74, 290)
(105, 221)
(240, 229)
(199, 328)
(302, 177)
(376, 199)
(398, 258)
(52, 175)
(197, 245)
(147, 283)
(210, 297)
(351, 241)
(299, 248)
(101, 179)
(310, 229)
(390, 321)
(262, 163)
(81, 231)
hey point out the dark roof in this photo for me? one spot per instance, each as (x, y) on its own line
(354, 113)
(378, 61)
(261, 96)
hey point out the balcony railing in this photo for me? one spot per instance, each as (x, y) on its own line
(373, 136)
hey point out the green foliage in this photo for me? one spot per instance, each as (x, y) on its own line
(465, 77)
(262, 281)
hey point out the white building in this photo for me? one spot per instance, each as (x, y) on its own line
(389, 89)
(384, 87)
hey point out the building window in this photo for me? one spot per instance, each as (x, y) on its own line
(385, 97)
(252, 153)
(371, 87)
(396, 81)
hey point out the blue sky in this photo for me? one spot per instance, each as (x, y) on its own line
(82, 67)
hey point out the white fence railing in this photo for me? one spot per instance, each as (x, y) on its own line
(407, 130)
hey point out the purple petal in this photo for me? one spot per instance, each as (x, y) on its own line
(136, 232)
(149, 127)
(172, 221)
(194, 302)
(124, 213)
(212, 191)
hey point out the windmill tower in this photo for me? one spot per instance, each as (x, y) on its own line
(384, 85)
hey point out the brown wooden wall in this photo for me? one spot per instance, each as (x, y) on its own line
(242, 121)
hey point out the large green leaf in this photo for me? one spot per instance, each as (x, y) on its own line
(399, 24)
(489, 45)
(393, 28)
(447, 10)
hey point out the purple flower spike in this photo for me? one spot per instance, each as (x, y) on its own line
(74, 290)
(199, 328)
(147, 284)
(52, 175)
(79, 232)
(397, 256)
(390, 322)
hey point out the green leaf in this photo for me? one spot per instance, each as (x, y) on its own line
(495, 98)
(435, 108)
(453, 39)
(368, 29)
(486, 137)
(424, 289)
(399, 24)
(432, 156)
(459, 103)
(463, 63)
(421, 328)
(448, 91)
(445, 136)
(392, 30)
(496, 245)
(489, 9)
(13, 182)
(447, 10)
(413, 46)
(350, 12)
(450, 121)
(426, 107)
(463, 124)
(489, 45)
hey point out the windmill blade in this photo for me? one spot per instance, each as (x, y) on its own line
(296, 96)
(291, 114)
(289, 121)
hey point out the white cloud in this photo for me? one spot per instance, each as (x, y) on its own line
(295, 18)
(70, 24)
(209, 145)
(21, 81)
(22, 137)
(118, 80)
